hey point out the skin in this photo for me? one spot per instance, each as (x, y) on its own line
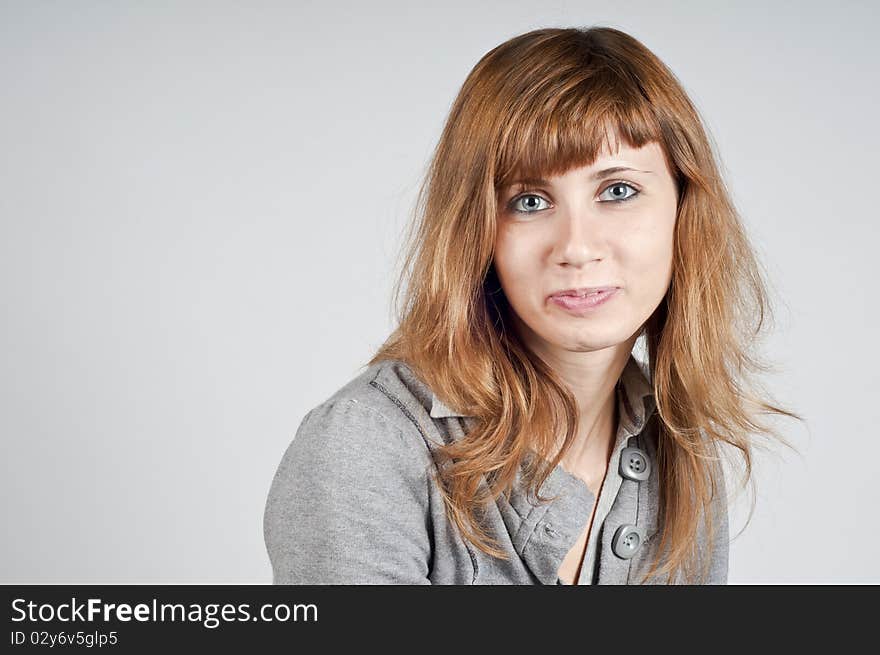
(578, 235)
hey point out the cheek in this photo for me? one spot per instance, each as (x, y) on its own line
(649, 259)
(515, 259)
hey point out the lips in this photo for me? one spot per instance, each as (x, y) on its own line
(582, 292)
(585, 305)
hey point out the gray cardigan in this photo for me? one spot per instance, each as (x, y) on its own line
(352, 501)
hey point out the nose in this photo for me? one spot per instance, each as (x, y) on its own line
(578, 238)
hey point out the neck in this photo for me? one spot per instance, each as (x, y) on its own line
(594, 441)
(592, 377)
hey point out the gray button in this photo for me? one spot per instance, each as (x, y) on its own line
(627, 540)
(634, 464)
(550, 532)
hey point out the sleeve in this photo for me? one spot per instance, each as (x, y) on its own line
(349, 502)
(719, 556)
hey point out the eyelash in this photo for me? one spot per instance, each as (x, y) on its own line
(515, 199)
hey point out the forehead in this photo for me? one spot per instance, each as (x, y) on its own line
(648, 157)
(651, 151)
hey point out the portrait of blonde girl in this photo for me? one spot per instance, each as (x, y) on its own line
(574, 356)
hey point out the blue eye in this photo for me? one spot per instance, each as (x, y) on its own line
(617, 197)
(535, 199)
(513, 203)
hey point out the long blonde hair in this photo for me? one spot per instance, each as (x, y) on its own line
(536, 105)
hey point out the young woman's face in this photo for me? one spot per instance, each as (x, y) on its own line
(588, 228)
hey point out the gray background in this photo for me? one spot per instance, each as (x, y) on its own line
(201, 208)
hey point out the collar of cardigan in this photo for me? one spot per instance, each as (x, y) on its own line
(638, 392)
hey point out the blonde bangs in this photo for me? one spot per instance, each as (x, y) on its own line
(573, 127)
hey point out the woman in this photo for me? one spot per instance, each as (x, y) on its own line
(505, 433)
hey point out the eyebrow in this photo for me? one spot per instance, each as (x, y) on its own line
(598, 175)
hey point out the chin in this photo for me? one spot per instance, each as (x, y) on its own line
(585, 340)
(591, 345)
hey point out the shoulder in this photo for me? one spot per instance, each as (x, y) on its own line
(378, 420)
(386, 394)
(350, 500)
